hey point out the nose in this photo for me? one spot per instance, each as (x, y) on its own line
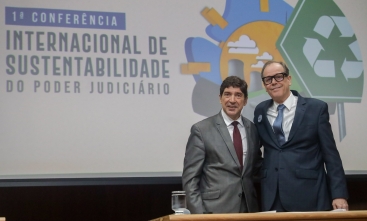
(273, 81)
(232, 98)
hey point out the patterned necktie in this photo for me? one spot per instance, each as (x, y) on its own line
(237, 142)
(277, 126)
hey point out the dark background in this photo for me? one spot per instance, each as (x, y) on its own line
(114, 201)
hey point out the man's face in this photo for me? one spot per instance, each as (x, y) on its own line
(279, 91)
(232, 101)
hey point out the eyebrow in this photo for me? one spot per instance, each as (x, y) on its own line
(275, 74)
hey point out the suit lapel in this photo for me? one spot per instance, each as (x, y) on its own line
(222, 128)
(269, 127)
(249, 143)
(300, 112)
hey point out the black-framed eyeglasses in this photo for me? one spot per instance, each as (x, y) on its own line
(277, 77)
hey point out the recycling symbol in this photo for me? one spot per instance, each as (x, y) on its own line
(313, 47)
(322, 52)
(323, 56)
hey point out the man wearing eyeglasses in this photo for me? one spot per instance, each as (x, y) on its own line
(302, 169)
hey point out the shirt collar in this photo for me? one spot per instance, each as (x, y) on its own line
(288, 103)
(229, 120)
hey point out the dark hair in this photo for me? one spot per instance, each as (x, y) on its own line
(236, 82)
(285, 67)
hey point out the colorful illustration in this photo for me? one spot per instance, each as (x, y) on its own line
(321, 51)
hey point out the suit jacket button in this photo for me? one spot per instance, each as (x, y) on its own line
(240, 195)
(276, 169)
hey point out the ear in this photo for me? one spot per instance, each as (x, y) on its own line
(245, 102)
(290, 80)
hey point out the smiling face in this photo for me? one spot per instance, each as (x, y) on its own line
(279, 91)
(233, 100)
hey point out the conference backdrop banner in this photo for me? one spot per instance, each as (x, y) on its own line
(111, 88)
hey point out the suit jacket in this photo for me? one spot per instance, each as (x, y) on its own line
(297, 168)
(211, 176)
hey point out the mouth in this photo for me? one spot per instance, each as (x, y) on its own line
(232, 107)
(274, 89)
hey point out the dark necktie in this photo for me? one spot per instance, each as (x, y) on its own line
(237, 142)
(277, 126)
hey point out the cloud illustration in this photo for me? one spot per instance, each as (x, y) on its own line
(259, 64)
(243, 42)
(244, 50)
(243, 46)
(265, 56)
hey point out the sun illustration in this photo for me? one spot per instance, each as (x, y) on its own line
(246, 36)
(263, 36)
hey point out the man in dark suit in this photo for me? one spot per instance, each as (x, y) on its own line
(302, 169)
(221, 158)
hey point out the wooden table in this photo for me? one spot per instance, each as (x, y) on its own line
(309, 216)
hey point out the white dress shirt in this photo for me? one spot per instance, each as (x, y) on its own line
(288, 114)
(242, 130)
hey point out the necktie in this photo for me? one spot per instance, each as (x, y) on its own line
(277, 126)
(237, 142)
